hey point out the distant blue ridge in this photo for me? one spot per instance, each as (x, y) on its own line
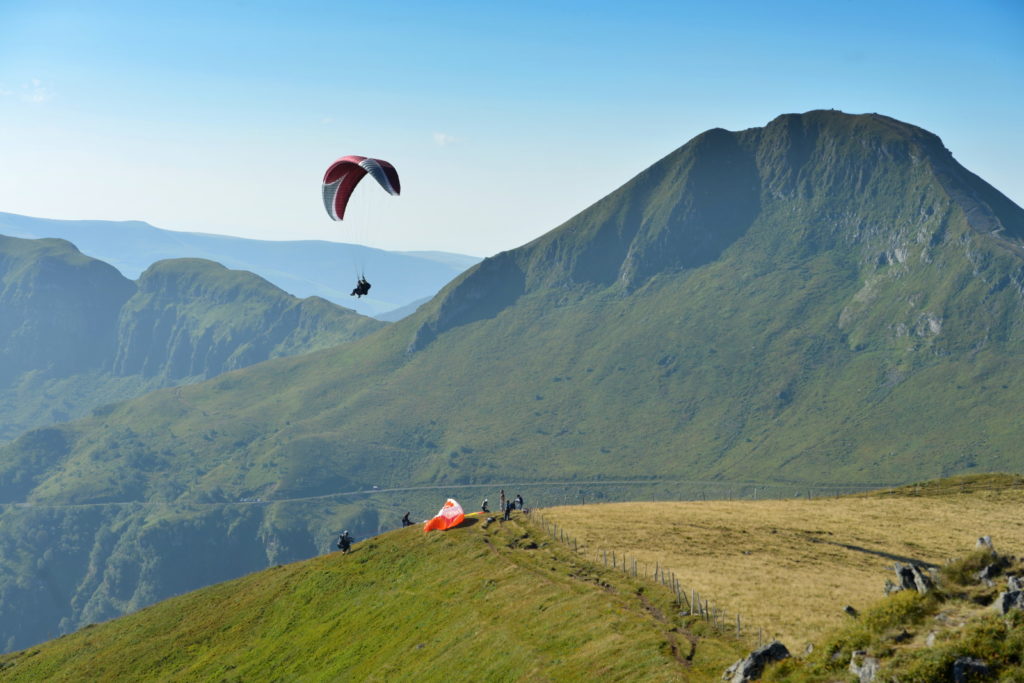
(300, 267)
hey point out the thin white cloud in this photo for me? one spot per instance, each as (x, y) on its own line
(327, 120)
(35, 92)
(443, 139)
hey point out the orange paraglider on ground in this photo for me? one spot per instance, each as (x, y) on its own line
(451, 515)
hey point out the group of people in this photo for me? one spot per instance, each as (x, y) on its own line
(505, 506)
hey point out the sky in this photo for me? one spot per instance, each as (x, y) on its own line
(504, 119)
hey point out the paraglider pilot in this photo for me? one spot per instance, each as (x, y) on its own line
(344, 541)
(406, 521)
(362, 288)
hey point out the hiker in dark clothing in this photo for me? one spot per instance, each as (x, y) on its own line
(345, 541)
(483, 506)
(509, 507)
(406, 521)
(519, 502)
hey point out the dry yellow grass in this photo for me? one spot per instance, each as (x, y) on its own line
(790, 566)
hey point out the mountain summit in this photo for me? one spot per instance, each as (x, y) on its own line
(829, 300)
(817, 178)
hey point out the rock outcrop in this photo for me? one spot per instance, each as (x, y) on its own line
(862, 666)
(1009, 600)
(969, 669)
(910, 577)
(751, 668)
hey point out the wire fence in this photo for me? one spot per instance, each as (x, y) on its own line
(690, 601)
(945, 489)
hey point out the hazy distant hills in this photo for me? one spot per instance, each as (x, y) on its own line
(301, 268)
(76, 334)
(827, 299)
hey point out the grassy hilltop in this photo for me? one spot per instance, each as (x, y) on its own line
(829, 299)
(505, 603)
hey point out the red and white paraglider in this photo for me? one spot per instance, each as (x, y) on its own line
(451, 515)
(344, 174)
(340, 182)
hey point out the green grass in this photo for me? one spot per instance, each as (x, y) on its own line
(502, 603)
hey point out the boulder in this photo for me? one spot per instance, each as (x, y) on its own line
(1009, 600)
(911, 578)
(988, 572)
(968, 669)
(992, 569)
(751, 668)
(902, 637)
(863, 667)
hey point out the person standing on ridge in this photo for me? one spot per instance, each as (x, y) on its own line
(406, 521)
(483, 506)
(501, 502)
(345, 541)
(519, 502)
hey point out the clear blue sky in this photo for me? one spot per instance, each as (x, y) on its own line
(504, 118)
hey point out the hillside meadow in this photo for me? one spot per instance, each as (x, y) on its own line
(503, 602)
(790, 566)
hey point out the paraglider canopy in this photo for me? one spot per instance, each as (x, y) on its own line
(451, 515)
(343, 175)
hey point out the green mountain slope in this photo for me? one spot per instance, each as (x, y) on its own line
(75, 334)
(828, 299)
(504, 603)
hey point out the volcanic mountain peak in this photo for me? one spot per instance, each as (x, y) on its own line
(814, 180)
